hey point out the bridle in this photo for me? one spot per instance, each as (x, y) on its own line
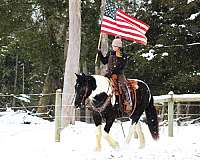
(88, 103)
(85, 93)
(91, 107)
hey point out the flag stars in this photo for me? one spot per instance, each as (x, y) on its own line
(110, 11)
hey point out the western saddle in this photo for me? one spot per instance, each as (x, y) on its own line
(132, 86)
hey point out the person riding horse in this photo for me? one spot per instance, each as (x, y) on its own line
(116, 61)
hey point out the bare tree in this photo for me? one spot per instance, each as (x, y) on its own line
(72, 62)
(104, 44)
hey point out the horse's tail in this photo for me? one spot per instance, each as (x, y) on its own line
(152, 119)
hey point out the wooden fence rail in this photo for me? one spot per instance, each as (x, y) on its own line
(171, 98)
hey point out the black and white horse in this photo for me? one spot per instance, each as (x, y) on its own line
(96, 93)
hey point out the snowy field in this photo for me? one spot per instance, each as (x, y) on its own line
(35, 141)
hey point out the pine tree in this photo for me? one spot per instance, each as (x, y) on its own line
(173, 39)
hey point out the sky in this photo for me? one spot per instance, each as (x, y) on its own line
(26, 137)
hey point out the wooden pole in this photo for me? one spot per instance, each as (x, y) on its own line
(170, 114)
(23, 78)
(58, 107)
(15, 81)
(98, 47)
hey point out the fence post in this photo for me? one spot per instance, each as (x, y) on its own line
(58, 105)
(170, 113)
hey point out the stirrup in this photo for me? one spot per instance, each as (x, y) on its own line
(117, 104)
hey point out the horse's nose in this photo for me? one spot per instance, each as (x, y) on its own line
(76, 104)
(82, 105)
(77, 108)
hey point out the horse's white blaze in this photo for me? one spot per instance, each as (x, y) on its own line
(98, 138)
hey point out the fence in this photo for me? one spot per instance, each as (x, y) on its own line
(170, 99)
(164, 100)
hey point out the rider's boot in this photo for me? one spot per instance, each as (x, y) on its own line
(117, 104)
(127, 95)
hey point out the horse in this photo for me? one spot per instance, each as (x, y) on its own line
(96, 93)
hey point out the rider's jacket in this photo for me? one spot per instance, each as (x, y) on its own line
(116, 61)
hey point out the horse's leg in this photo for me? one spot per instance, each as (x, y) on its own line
(135, 135)
(98, 138)
(140, 135)
(137, 127)
(142, 102)
(132, 129)
(136, 130)
(110, 117)
(98, 120)
(113, 143)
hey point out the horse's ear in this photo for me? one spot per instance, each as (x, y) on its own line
(83, 74)
(77, 75)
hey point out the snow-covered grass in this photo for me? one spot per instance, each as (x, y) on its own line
(20, 140)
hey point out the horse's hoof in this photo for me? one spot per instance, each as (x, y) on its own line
(97, 149)
(141, 146)
(127, 140)
(115, 145)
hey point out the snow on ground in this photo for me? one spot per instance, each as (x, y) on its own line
(20, 140)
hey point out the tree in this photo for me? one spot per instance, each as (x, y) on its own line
(173, 40)
(103, 42)
(72, 61)
(90, 17)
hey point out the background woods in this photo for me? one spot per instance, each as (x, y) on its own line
(34, 37)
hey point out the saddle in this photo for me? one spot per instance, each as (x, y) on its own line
(118, 91)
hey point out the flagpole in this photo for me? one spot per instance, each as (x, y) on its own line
(98, 48)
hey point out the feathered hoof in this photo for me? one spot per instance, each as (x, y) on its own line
(135, 135)
(127, 141)
(115, 145)
(98, 149)
(141, 146)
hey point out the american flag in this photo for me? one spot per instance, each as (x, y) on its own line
(117, 22)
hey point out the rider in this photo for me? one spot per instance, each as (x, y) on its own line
(116, 60)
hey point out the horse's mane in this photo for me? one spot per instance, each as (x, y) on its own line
(92, 81)
(98, 83)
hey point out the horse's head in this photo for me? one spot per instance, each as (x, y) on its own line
(83, 88)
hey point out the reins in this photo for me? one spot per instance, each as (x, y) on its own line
(103, 107)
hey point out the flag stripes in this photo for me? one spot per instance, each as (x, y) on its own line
(138, 24)
(124, 25)
(127, 31)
